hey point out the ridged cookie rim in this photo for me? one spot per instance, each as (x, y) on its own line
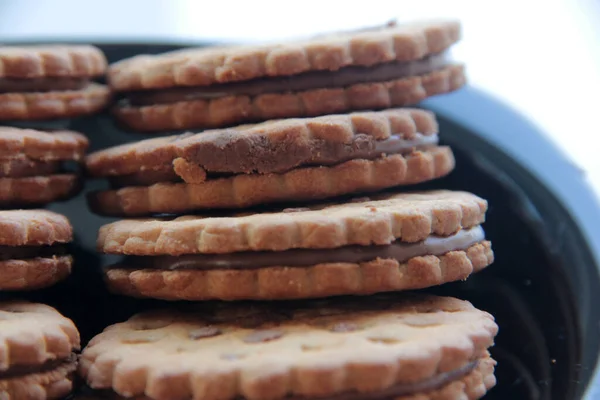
(470, 387)
(438, 212)
(33, 228)
(292, 283)
(299, 184)
(47, 61)
(50, 385)
(38, 190)
(34, 273)
(467, 334)
(57, 145)
(266, 137)
(212, 65)
(231, 110)
(46, 335)
(53, 105)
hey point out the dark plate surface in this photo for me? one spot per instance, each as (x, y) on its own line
(543, 220)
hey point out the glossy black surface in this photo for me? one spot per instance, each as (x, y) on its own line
(543, 221)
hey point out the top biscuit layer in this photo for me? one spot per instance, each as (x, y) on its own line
(409, 217)
(266, 147)
(33, 228)
(207, 66)
(33, 334)
(37, 145)
(51, 61)
(315, 350)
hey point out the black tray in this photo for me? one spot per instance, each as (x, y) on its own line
(543, 220)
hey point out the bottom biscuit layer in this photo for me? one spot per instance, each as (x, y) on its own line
(54, 104)
(34, 273)
(469, 383)
(37, 190)
(231, 110)
(53, 384)
(311, 183)
(322, 280)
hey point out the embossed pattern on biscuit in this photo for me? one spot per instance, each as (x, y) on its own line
(384, 342)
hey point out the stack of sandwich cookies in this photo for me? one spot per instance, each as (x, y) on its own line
(278, 222)
(37, 346)
(276, 161)
(51, 82)
(32, 253)
(215, 87)
(388, 243)
(32, 166)
(407, 348)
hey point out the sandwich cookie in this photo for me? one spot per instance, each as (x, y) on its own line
(220, 86)
(276, 161)
(50, 82)
(37, 346)
(32, 166)
(400, 347)
(32, 253)
(388, 243)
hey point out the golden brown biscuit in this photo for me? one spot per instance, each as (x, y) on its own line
(390, 243)
(32, 255)
(37, 347)
(276, 161)
(412, 347)
(32, 166)
(52, 81)
(393, 66)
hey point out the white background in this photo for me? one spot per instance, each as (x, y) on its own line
(541, 56)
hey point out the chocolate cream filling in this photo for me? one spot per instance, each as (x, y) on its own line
(12, 85)
(27, 252)
(234, 158)
(343, 77)
(17, 371)
(402, 389)
(402, 252)
(23, 167)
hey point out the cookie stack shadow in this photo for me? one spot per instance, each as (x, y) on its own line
(288, 254)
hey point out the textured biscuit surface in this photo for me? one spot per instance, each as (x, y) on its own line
(262, 351)
(34, 273)
(254, 148)
(51, 105)
(311, 183)
(33, 334)
(37, 190)
(472, 386)
(38, 145)
(33, 228)
(51, 61)
(321, 280)
(231, 110)
(207, 66)
(409, 217)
